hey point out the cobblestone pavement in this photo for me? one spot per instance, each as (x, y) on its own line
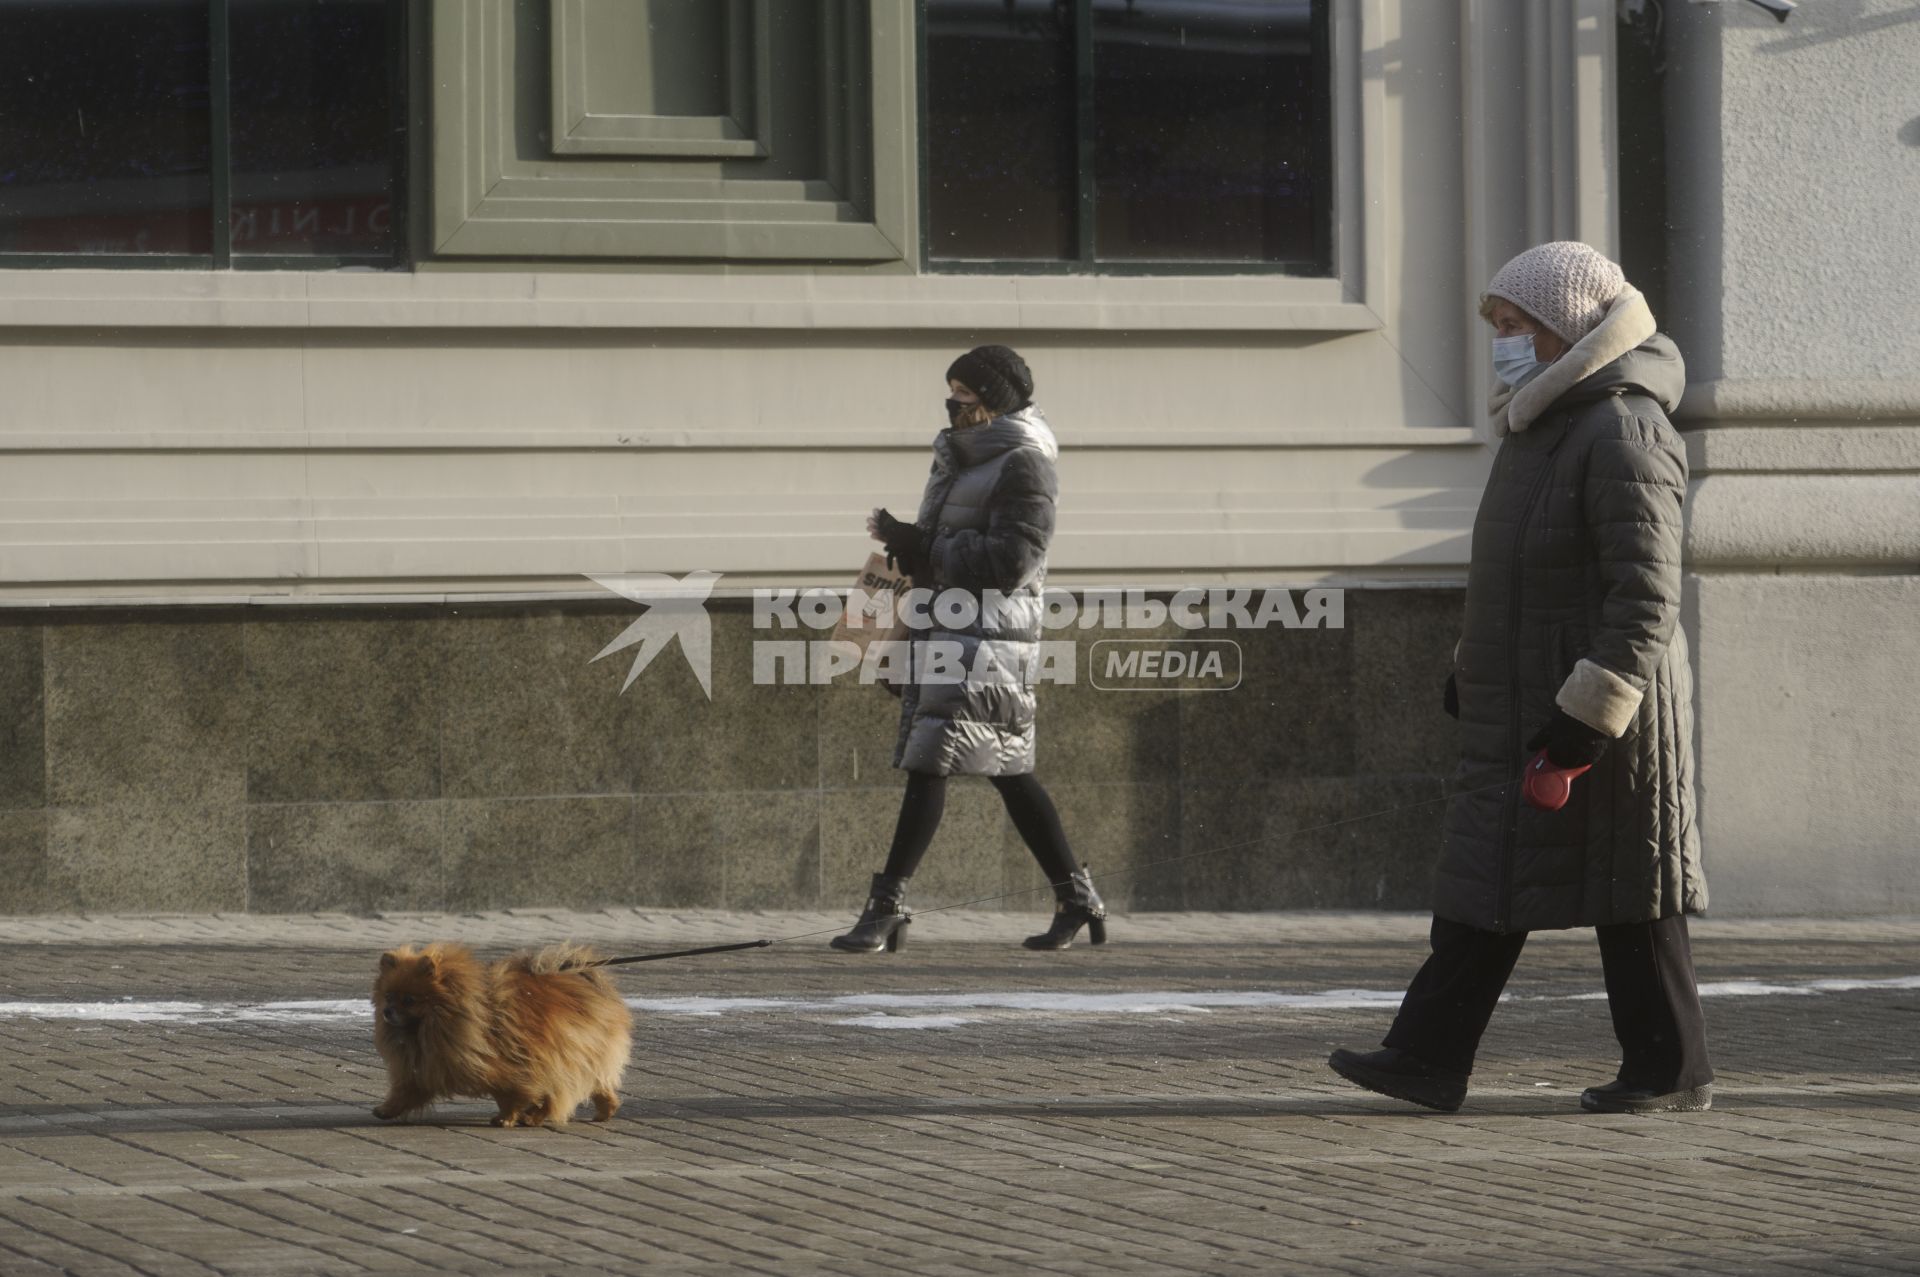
(191, 1095)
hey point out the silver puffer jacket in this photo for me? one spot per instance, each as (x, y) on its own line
(988, 510)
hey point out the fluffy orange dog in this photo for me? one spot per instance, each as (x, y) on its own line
(537, 1039)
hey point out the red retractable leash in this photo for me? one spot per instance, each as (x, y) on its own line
(1546, 785)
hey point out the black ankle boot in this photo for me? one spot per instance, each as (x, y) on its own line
(883, 922)
(1079, 905)
(1404, 1076)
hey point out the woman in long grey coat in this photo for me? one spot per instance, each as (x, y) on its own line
(1572, 642)
(979, 543)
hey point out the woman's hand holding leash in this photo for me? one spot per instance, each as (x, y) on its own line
(1567, 748)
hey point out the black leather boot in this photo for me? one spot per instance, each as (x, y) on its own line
(883, 922)
(1403, 1075)
(1620, 1097)
(1079, 905)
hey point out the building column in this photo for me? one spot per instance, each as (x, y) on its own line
(1793, 156)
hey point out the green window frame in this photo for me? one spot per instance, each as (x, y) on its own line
(530, 162)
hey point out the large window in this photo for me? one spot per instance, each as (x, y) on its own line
(1114, 135)
(262, 133)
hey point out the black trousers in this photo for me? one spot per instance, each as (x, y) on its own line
(1650, 990)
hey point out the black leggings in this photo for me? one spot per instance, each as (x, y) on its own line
(1027, 802)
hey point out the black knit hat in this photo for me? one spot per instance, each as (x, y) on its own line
(995, 373)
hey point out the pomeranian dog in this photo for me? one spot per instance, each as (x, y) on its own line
(538, 1033)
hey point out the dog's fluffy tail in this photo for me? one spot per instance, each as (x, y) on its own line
(556, 958)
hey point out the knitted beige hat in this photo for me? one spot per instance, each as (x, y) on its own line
(1565, 285)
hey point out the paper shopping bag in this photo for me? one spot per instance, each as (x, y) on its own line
(872, 614)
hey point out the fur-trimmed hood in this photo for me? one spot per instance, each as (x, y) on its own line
(1623, 351)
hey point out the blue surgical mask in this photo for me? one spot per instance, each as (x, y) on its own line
(1514, 361)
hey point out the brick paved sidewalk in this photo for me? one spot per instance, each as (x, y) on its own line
(643, 927)
(190, 1095)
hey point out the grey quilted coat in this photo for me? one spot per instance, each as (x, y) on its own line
(988, 508)
(1573, 598)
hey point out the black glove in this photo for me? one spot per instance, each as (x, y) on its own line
(1450, 699)
(906, 543)
(1570, 742)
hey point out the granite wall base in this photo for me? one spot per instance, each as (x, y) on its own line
(373, 759)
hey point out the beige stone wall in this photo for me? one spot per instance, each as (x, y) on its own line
(481, 428)
(467, 440)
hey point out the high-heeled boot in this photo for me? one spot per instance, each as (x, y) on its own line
(1078, 905)
(883, 922)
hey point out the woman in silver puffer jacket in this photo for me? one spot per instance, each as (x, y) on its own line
(979, 543)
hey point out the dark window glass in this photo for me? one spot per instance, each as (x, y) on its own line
(104, 139)
(313, 126)
(1200, 133)
(1000, 135)
(152, 128)
(1204, 130)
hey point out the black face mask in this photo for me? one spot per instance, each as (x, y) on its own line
(957, 408)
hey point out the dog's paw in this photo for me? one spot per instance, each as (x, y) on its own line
(386, 1112)
(506, 1119)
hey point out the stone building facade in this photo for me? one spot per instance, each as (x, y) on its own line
(296, 556)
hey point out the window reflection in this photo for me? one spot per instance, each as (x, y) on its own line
(104, 135)
(1170, 131)
(313, 129)
(109, 130)
(1000, 130)
(1204, 134)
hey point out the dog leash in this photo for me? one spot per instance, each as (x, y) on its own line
(677, 953)
(1027, 891)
